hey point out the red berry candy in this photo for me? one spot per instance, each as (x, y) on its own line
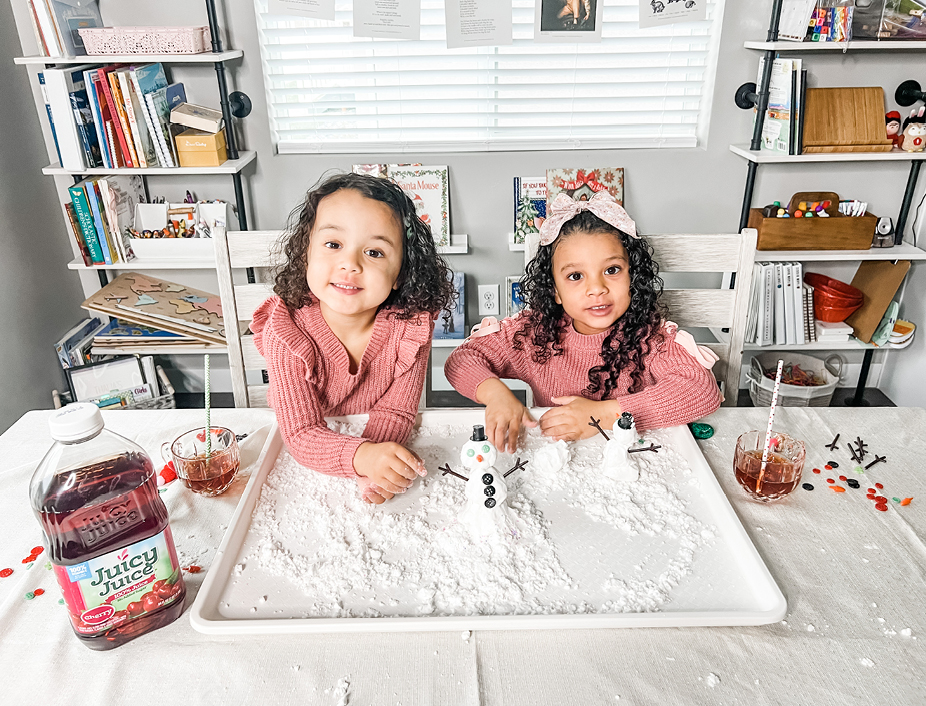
(28, 560)
(828, 467)
(842, 478)
(38, 592)
(882, 508)
(193, 569)
(816, 470)
(38, 550)
(830, 481)
(871, 490)
(5, 573)
(879, 486)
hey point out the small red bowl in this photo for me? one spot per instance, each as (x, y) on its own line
(833, 286)
(833, 314)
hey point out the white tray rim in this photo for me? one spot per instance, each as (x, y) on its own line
(205, 618)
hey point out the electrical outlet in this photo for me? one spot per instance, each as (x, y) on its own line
(488, 300)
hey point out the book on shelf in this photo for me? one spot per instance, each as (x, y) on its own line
(452, 324)
(116, 131)
(581, 184)
(530, 206)
(50, 43)
(795, 19)
(39, 39)
(175, 95)
(128, 142)
(84, 215)
(135, 127)
(71, 16)
(110, 255)
(78, 234)
(151, 83)
(92, 84)
(810, 331)
(780, 124)
(779, 313)
(67, 98)
(70, 341)
(121, 193)
(51, 119)
(103, 208)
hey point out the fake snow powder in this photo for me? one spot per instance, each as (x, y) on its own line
(410, 556)
(340, 691)
(712, 680)
(865, 662)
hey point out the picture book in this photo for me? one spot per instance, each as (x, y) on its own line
(530, 206)
(117, 135)
(452, 324)
(109, 252)
(85, 220)
(78, 234)
(143, 146)
(45, 22)
(124, 132)
(582, 184)
(70, 16)
(51, 119)
(429, 189)
(67, 100)
(92, 84)
(74, 336)
(175, 95)
(148, 79)
(120, 196)
(777, 126)
(158, 303)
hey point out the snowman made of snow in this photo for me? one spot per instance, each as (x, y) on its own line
(486, 505)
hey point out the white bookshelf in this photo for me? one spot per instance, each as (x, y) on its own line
(904, 251)
(761, 157)
(857, 45)
(162, 350)
(231, 166)
(196, 263)
(204, 58)
(853, 344)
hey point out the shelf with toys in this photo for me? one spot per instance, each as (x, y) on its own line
(758, 98)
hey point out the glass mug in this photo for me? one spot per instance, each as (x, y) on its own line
(207, 475)
(782, 471)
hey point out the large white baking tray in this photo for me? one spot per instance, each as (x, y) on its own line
(728, 584)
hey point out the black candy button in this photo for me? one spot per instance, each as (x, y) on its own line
(833, 464)
(487, 478)
(489, 490)
(490, 503)
(807, 486)
(852, 483)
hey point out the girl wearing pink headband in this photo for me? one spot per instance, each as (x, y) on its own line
(593, 340)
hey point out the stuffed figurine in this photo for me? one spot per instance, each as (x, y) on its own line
(914, 131)
(892, 123)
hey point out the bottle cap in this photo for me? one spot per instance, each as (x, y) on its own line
(76, 421)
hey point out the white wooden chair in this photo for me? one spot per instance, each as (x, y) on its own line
(689, 308)
(236, 250)
(711, 308)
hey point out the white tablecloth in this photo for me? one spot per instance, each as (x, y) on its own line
(854, 578)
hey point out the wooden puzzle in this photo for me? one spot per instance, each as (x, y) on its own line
(155, 302)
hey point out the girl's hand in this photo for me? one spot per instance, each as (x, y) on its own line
(389, 466)
(570, 421)
(372, 493)
(504, 414)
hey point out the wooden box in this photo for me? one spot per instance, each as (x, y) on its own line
(838, 232)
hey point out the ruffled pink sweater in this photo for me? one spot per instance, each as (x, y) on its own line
(310, 379)
(677, 389)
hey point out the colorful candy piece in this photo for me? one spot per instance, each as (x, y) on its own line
(6, 573)
(38, 592)
(906, 501)
(837, 489)
(879, 486)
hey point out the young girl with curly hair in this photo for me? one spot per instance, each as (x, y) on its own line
(593, 340)
(349, 330)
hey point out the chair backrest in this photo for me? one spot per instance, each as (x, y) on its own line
(723, 308)
(236, 250)
(716, 309)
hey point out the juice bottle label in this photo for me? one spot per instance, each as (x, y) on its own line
(121, 585)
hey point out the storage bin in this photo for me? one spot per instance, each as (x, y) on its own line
(761, 387)
(146, 40)
(837, 232)
(153, 216)
(163, 401)
(197, 148)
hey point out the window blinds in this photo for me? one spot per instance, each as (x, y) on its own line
(331, 92)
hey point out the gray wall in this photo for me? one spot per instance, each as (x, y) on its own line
(40, 297)
(666, 191)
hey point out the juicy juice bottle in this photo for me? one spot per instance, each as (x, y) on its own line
(95, 495)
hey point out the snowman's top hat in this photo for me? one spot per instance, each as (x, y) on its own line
(479, 433)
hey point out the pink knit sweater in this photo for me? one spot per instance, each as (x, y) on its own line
(677, 388)
(310, 379)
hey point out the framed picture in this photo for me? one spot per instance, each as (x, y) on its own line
(98, 380)
(515, 303)
(452, 324)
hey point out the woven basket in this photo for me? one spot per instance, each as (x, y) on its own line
(761, 387)
(146, 40)
(165, 401)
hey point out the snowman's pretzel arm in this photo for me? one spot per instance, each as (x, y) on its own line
(446, 469)
(597, 424)
(518, 464)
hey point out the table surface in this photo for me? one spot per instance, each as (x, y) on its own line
(854, 579)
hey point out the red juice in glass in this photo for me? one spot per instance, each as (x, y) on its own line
(106, 531)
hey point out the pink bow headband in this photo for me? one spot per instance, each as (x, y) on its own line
(601, 204)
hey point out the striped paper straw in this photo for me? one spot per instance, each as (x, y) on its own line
(208, 424)
(768, 431)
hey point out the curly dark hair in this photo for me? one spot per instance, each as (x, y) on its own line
(424, 278)
(631, 337)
